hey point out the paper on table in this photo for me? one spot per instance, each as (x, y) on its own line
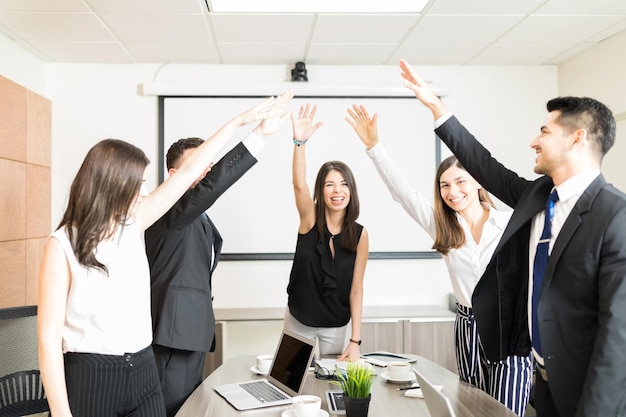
(330, 364)
(417, 392)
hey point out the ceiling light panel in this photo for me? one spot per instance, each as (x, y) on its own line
(317, 6)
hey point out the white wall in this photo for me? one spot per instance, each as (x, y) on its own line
(20, 66)
(599, 73)
(503, 106)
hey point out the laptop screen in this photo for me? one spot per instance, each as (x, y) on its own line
(291, 361)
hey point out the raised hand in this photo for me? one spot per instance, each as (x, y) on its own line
(303, 126)
(271, 107)
(423, 93)
(271, 124)
(363, 125)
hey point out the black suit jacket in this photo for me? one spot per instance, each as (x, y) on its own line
(183, 249)
(582, 306)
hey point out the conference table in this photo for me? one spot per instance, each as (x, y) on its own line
(386, 401)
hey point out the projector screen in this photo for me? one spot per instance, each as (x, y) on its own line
(257, 216)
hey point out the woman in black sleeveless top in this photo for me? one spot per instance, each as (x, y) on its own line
(326, 282)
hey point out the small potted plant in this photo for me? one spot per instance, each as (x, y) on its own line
(356, 383)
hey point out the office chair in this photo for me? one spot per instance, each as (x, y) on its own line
(21, 389)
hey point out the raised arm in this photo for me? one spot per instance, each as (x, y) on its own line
(423, 93)
(401, 190)
(154, 205)
(475, 158)
(303, 129)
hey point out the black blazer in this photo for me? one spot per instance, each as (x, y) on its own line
(582, 307)
(183, 249)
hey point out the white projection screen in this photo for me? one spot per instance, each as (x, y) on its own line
(257, 216)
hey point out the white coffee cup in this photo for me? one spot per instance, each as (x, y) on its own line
(263, 363)
(399, 370)
(306, 405)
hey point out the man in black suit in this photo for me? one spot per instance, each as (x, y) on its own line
(581, 310)
(183, 249)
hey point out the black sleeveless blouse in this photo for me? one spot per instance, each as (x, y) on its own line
(319, 284)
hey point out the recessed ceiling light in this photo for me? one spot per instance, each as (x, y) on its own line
(316, 6)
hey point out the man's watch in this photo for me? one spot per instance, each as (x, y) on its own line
(358, 342)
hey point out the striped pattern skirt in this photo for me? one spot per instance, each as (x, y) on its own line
(508, 381)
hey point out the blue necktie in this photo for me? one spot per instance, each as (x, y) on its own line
(539, 267)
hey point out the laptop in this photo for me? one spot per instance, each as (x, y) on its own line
(285, 378)
(438, 404)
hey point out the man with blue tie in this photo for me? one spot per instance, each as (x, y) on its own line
(558, 275)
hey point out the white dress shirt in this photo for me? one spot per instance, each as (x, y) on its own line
(569, 192)
(465, 264)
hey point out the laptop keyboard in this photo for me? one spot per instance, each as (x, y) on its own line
(263, 391)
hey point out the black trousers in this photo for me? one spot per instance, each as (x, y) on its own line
(544, 405)
(113, 385)
(180, 372)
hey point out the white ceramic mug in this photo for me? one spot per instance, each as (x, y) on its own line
(306, 405)
(399, 370)
(263, 363)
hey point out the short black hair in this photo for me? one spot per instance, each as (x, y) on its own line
(178, 148)
(586, 113)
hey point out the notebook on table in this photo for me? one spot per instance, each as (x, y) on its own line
(438, 404)
(285, 378)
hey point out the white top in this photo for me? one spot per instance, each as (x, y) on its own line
(109, 314)
(465, 264)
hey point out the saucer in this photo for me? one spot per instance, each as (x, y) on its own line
(257, 370)
(385, 375)
(289, 413)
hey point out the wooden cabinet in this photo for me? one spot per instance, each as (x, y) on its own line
(433, 340)
(429, 333)
(421, 330)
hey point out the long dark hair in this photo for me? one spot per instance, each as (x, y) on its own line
(350, 238)
(101, 196)
(449, 233)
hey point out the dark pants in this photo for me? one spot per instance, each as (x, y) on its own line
(113, 385)
(180, 372)
(544, 405)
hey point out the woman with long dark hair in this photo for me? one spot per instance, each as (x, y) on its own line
(465, 227)
(94, 321)
(326, 281)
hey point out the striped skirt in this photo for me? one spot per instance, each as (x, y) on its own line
(508, 381)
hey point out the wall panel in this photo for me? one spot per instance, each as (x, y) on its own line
(25, 197)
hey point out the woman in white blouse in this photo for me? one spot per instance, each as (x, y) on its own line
(94, 326)
(465, 228)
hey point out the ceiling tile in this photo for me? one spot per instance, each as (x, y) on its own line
(147, 6)
(349, 54)
(436, 54)
(451, 29)
(608, 32)
(44, 5)
(448, 32)
(556, 29)
(363, 28)
(182, 52)
(583, 7)
(56, 26)
(520, 54)
(257, 28)
(484, 6)
(85, 51)
(576, 49)
(260, 53)
(158, 27)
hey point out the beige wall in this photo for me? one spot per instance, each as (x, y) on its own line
(600, 72)
(25, 133)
